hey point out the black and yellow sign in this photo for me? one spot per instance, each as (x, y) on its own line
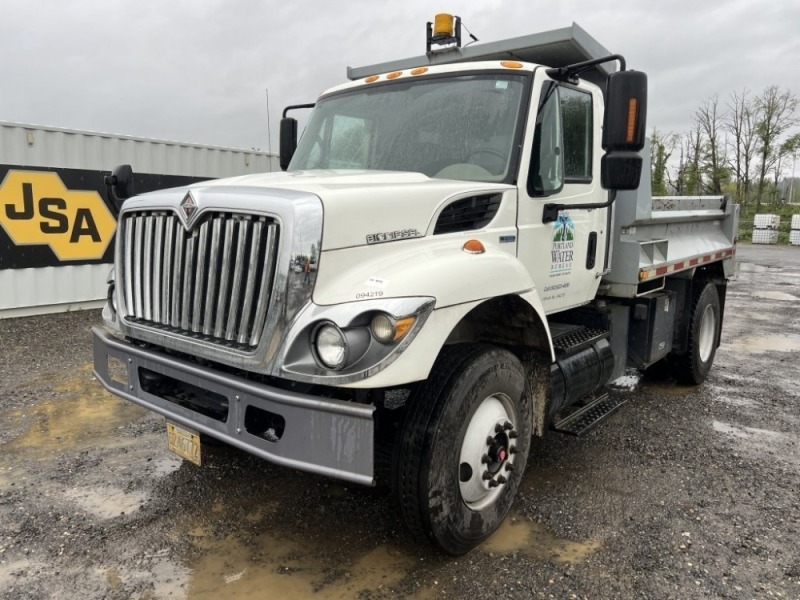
(57, 217)
(38, 209)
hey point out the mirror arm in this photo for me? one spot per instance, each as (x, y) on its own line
(296, 106)
(568, 72)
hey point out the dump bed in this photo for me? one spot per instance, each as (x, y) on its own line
(654, 237)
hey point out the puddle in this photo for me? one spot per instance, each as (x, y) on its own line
(775, 296)
(766, 343)
(745, 432)
(752, 268)
(160, 577)
(738, 402)
(517, 534)
(768, 443)
(669, 388)
(754, 316)
(106, 503)
(284, 568)
(84, 416)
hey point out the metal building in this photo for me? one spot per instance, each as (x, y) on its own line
(56, 229)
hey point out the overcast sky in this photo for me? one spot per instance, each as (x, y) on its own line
(198, 70)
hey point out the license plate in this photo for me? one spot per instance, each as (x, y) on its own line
(184, 442)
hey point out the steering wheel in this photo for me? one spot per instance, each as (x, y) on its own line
(494, 165)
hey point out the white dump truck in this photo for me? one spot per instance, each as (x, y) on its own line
(461, 253)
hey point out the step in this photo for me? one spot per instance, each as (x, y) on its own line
(584, 419)
(572, 339)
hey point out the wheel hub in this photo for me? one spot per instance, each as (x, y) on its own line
(707, 333)
(487, 452)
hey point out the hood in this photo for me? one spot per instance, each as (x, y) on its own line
(358, 204)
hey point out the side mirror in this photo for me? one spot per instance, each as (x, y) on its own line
(625, 121)
(624, 130)
(120, 186)
(288, 141)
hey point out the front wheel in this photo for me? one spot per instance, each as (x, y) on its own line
(463, 447)
(704, 325)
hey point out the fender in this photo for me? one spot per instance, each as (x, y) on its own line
(441, 270)
(423, 267)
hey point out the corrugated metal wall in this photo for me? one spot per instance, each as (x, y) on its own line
(69, 287)
(31, 145)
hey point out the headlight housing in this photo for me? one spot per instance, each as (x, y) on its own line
(351, 341)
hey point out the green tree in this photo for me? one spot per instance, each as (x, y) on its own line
(777, 109)
(661, 147)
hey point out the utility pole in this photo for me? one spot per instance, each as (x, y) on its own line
(791, 181)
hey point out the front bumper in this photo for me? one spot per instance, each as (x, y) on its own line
(324, 436)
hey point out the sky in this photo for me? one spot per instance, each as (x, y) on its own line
(198, 71)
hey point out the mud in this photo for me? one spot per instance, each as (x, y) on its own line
(684, 493)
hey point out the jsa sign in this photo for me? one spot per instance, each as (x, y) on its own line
(36, 208)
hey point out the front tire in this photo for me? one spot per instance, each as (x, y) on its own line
(464, 447)
(693, 367)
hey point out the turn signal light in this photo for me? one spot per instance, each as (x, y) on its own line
(474, 247)
(633, 113)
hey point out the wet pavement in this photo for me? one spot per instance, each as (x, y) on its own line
(683, 493)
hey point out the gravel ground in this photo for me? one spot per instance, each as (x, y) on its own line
(683, 493)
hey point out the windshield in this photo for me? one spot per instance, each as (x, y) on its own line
(454, 127)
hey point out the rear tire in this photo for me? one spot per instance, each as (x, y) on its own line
(704, 326)
(464, 447)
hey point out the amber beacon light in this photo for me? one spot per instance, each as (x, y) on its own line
(444, 33)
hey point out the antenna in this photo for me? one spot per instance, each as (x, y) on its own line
(269, 129)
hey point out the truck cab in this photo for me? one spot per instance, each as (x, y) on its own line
(461, 253)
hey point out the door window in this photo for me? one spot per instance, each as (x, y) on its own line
(562, 141)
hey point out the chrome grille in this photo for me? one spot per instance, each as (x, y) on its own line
(212, 283)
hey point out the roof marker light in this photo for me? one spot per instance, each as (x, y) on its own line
(419, 70)
(394, 75)
(371, 79)
(511, 64)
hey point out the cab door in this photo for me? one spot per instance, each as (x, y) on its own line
(561, 165)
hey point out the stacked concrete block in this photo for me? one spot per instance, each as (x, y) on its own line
(765, 229)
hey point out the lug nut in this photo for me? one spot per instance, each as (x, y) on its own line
(513, 434)
(512, 450)
(486, 476)
(501, 479)
(485, 459)
(507, 425)
(509, 466)
(489, 440)
(498, 428)
(493, 483)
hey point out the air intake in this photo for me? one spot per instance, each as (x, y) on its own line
(468, 214)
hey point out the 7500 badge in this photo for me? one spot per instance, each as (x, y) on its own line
(37, 208)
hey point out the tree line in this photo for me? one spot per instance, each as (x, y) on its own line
(741, 146)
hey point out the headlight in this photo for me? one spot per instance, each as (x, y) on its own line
(331, 346)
